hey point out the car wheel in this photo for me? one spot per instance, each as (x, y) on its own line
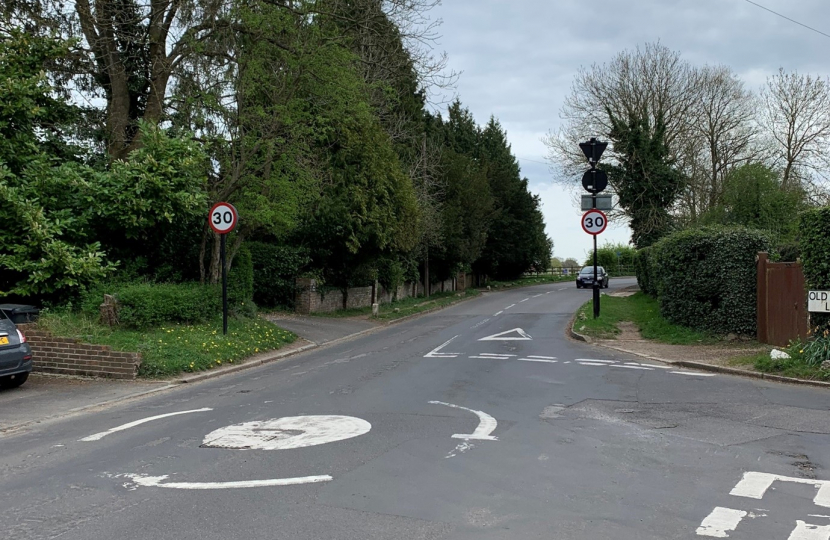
(578, 286)
(13, 381)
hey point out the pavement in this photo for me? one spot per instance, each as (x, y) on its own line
(480, 421)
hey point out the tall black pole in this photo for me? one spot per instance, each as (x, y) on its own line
(224, 285)
(596, 284)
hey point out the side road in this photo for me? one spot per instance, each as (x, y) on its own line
(49, 397)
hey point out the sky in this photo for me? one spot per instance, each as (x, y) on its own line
(518, 58)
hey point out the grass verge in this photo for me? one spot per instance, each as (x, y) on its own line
(405, 307)
(173, 349)
(795, 367)
(643, 311)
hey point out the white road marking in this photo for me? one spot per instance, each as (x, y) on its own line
(286, 433)
(538, 295)
(499, 313)
(503, 336)
(594, 360)
(658, 367)
(434, 353)
(460, 449)
(562, 289)
(753, 485)
(99, 436)
(495, 354)
(525, 300)
(693, 373)
(592, 364)
(510, 306)
(720, 521)
(805, 531)
(632, 367)
(548, 292)
(541, 357)
(476, 325)
(538, 360)
(633, 364)
(157, 481)
(486, 424)
(489, 357)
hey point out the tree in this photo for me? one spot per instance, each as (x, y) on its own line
(647, 184)
(796, 115)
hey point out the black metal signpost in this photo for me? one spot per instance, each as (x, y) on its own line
(223, 219)
(594, 181)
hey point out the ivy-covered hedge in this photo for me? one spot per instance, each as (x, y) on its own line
(147, 305)
(275, 270)
(642, 267)
(815, 255)
(705, 278)
(241, 280)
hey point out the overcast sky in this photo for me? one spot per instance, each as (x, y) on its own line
(519, 57)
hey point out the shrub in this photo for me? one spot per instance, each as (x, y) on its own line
(815, 255)
(705, 278)
(276, 269)
(642, 267)
(241, 279)
(147, 305)
(614, 256)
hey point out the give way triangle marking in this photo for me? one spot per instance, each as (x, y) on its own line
(517, 334)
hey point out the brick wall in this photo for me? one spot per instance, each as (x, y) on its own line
(309, 299)
(67, 356)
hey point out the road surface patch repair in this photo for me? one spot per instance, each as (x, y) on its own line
(722, 521)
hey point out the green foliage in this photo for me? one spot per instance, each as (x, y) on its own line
(643, 268)
(645, 180)
(391, 273)
(705, 278)
(611, 256)
(241, 280)
(753, 198)
(814, 351)
(815, 255)
(148, 305)
(276, 268)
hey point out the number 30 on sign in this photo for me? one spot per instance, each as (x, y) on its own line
(223, 218)
(594, 222)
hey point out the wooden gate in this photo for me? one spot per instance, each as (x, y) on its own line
(782, 302)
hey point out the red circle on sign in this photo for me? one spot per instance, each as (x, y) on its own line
(590, 220)
(223, 218)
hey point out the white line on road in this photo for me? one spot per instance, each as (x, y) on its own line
(510, 306)
(805, 531)
(525, 300)
(496, 354)
(632, 367)
(592, 364)
(157, 481)
(499, 313)
(486, 424)
(476, 325)
(542, 357)
(720, 521)
(753, 485)
(693, 373)
(542, 360)
(489, 357)
(551, 291)
(538, 295)
(563, 289)
(435, 354)
(594, 360)
(99, 436)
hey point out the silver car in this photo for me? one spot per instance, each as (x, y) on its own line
(15, 354)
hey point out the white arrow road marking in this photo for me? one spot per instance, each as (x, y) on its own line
(502, 336)
(486, 424)
(99, 436)
(805, 531)
(157, 481)
(720, 521)
(287, 433)
(434, 353)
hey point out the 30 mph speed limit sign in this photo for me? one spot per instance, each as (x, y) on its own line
(223, 218)
(594, 222)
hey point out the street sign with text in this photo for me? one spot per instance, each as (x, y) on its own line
(594, 222)
(818, 301)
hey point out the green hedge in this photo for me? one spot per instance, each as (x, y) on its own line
(241, 279)
(147, 305)
(815, 255)
(705, 278)
(642, 268)
(275, 271)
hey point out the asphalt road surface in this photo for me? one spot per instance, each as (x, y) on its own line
(481, 421)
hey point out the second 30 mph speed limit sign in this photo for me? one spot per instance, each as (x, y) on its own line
(594, 222)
